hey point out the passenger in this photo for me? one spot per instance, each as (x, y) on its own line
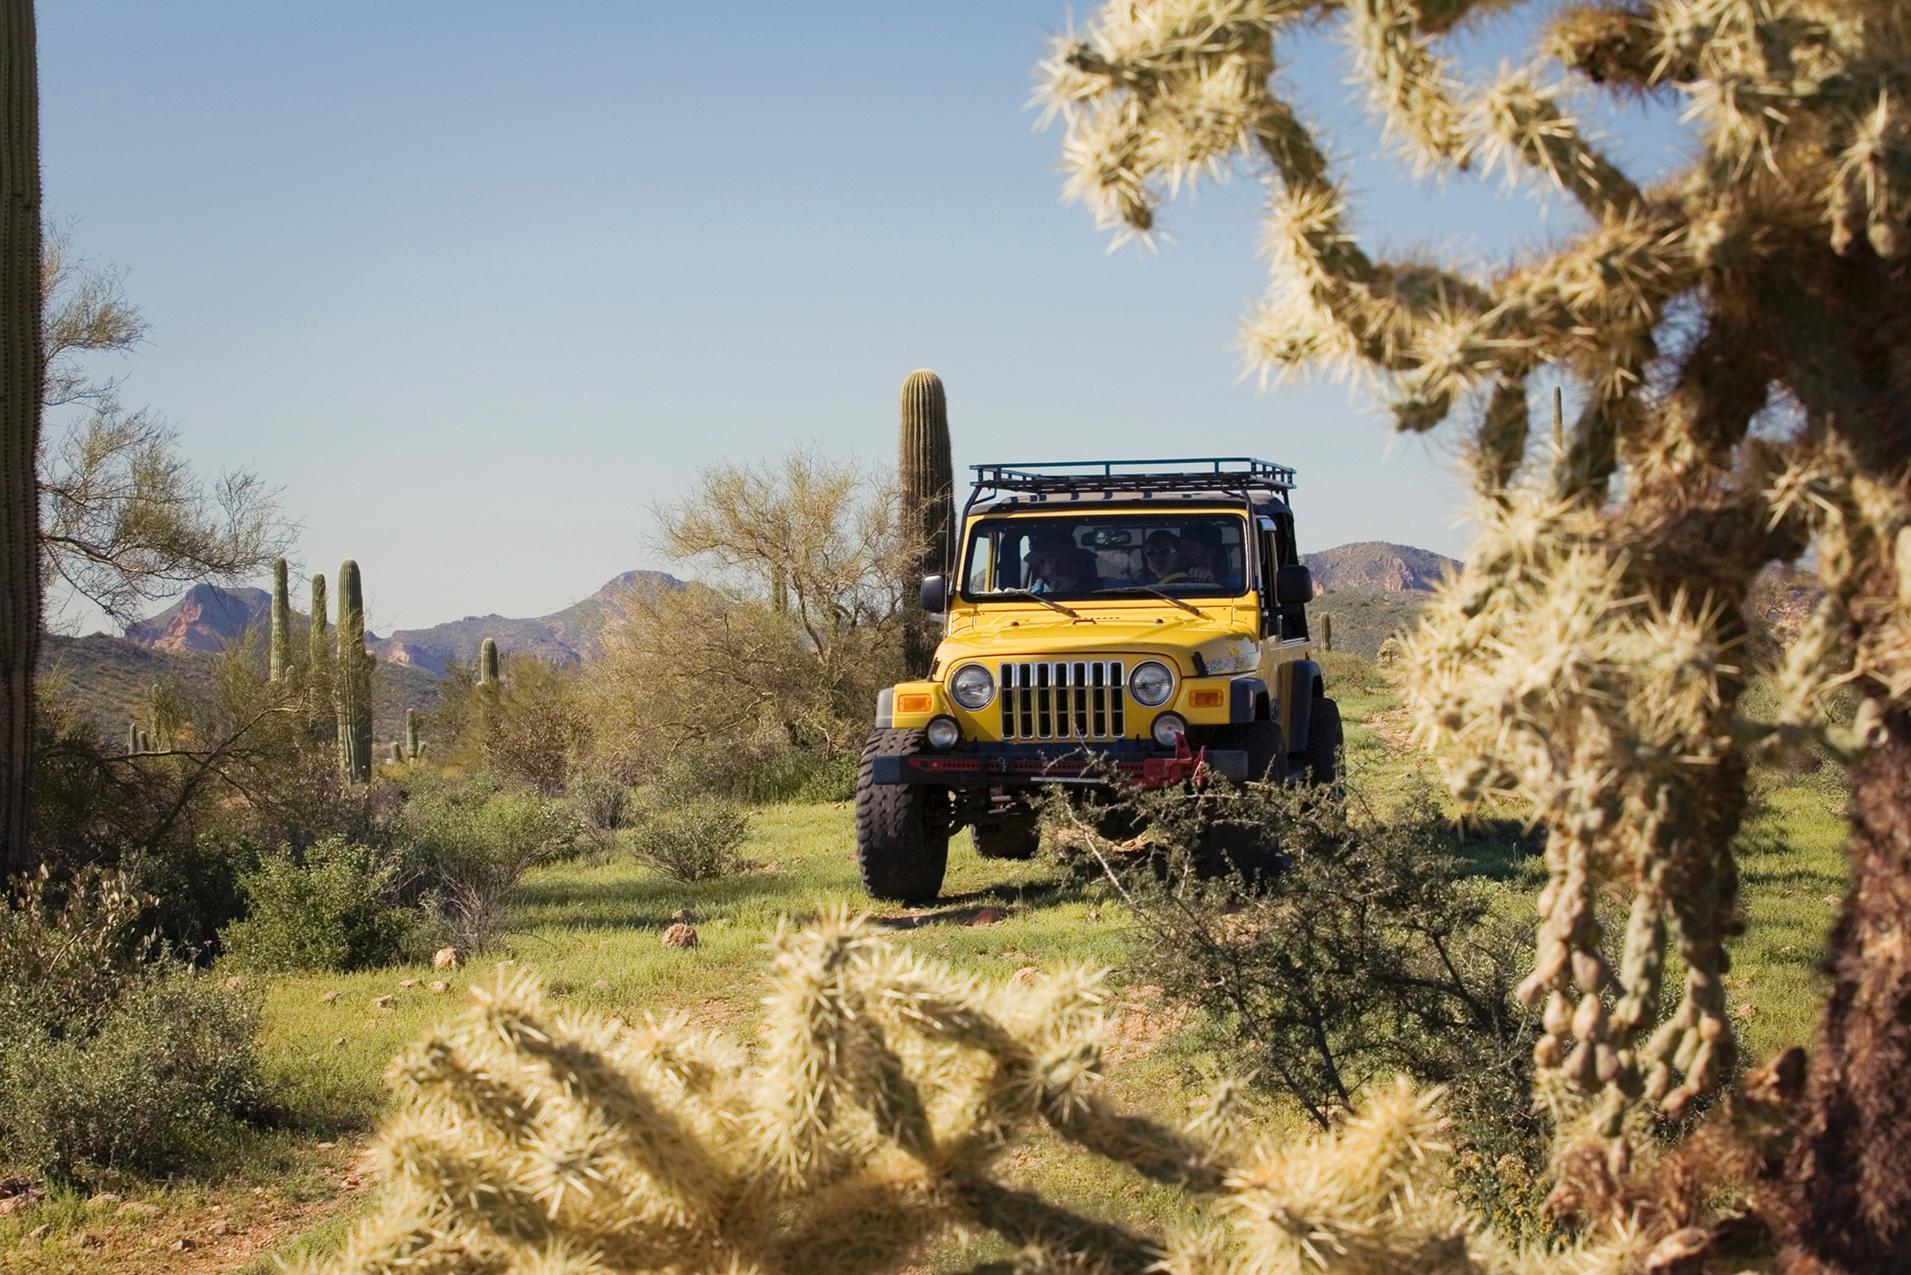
(1064, 570)
(1044, 541)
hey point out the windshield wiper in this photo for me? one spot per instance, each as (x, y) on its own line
(1048, 602)
(1148, 588)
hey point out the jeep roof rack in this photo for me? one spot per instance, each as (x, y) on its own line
(1236, 474)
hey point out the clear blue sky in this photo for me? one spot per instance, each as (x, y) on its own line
(477, 283)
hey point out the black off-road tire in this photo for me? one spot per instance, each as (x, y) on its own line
(902, 830)
(1244, 847)
(1326, 764)
(1265, 746)
(1010, 836)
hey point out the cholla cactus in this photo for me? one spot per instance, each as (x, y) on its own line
(870, 1120)
(1783, 247)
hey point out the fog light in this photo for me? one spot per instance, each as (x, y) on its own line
(1168, 728)
(942, 732)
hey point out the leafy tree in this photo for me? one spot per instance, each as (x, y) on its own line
(124, 519)
(794, 631)
(1741, 335)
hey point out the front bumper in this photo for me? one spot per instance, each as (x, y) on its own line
(1027, 765)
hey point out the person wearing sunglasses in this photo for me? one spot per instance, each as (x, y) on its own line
(1163, 561)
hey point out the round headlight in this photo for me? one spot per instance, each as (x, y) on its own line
(1168, 728)
(1151, 684)
(972, 686)
(942, 732)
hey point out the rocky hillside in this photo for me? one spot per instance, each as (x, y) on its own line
(204, 621)
(209, 617)
(1377, 566)
(571, 636)
(105, 680)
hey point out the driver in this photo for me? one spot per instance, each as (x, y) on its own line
(1164, 562)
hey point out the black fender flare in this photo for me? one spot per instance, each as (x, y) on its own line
(1300, 684)
(1247, 699)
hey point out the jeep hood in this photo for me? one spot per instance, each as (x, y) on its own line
(1043, 634)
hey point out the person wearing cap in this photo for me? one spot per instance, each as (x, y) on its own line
(1201, 549)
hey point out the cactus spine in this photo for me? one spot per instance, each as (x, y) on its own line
(927, 480)
(281, 624)
(412, 747)
(353, 679)
(20, 412)
(318, 664)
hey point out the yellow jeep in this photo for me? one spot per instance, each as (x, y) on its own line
(1106, 621)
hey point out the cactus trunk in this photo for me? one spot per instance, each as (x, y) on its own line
(352, 678)
(318, 665)
(488, 663)
(927, 486)
(1327, 632)
(20, 411)
(281, 624)
(412, 746)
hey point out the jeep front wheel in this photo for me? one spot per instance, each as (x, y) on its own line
(902, 830)
(1325, 740)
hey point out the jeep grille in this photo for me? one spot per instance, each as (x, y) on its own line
(1063, 699)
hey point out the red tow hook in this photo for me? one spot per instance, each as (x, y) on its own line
(1159, 772)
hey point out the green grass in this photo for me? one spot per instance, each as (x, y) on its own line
(593, 932)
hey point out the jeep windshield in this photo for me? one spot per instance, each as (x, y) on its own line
(1107, 555)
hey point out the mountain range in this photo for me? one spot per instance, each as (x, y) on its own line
(209, 617)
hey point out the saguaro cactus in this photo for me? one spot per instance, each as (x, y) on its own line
(353, 679)
(281, 624)
(20, 384)
(132, 736)
(412, 747)
(318, 664)
(488, 663)
(1327, 632)
(926, 479)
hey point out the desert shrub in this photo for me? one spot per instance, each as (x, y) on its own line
(601, 800)
(465, 849)
(698, 839)
(761, 773)
(328, 909)
(161, 1080)
(1367, 955)
(115, 1056)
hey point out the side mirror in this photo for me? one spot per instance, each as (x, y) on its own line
(934, 595)
(1293, 586)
